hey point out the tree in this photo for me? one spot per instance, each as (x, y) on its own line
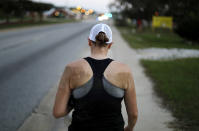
(19, 8)
(184, 12)
(41, 7)
(7, 8)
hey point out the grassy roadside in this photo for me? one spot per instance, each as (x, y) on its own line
(177, 82)
(30, 24)
(159, 38)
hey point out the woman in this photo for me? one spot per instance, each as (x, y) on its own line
(96, 85)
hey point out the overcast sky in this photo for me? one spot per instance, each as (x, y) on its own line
(98, 5)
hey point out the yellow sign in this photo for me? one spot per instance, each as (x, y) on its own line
(162, 21)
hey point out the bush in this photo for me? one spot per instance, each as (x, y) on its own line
(120, 22)
(188, 28)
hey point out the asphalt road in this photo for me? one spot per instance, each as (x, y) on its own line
(31, 62)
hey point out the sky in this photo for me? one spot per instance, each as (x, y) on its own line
(98, 5)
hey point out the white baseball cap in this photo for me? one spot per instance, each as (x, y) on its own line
(101, 28)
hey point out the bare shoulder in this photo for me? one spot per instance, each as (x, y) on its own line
(118, 73)
(80, 63)
(79, 66)
(124, 73)
(120, 67)
(80, 72)
(76, 62)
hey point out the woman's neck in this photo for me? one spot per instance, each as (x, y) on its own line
(96, 56)
(99, 54)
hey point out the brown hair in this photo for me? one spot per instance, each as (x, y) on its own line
(101, 39)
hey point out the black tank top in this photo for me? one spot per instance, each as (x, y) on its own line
(99, 108)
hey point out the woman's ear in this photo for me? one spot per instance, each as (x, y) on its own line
(89, 42)
(109, 45)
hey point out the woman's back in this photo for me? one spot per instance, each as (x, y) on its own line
(96, 86)
(97, 101)
(116, 73)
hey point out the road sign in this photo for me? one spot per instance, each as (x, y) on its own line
(162, 21)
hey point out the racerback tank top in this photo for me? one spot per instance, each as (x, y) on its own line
(97, 103)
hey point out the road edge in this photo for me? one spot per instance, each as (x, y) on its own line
(41, 119)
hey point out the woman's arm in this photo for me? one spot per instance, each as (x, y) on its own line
(60, 108)
(131, 104)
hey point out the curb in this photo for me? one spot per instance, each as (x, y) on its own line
(41, 119)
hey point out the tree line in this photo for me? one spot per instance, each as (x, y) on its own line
(18, 8)
(184, 12)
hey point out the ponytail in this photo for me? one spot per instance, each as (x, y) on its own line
(101, 39)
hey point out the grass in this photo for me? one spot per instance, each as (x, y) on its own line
(159, 38)
(177, 82)
(38, 23)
